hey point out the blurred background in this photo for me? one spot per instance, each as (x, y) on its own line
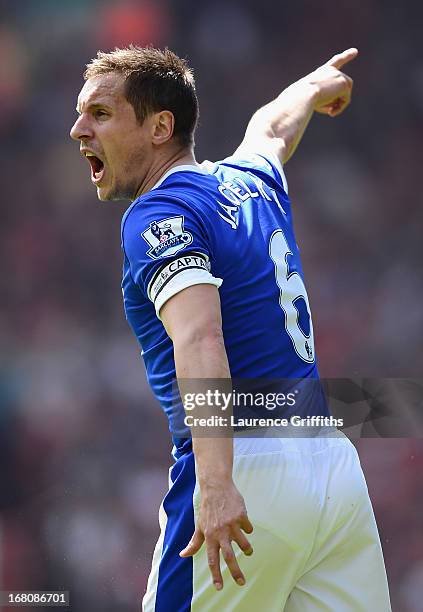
(84, 449)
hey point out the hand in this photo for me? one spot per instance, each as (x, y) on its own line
(333, 86)
(221, 520)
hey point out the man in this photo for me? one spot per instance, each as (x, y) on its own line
(213, 289)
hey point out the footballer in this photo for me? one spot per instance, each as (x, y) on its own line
(214, 290)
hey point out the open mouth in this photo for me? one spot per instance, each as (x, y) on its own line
(97, 167)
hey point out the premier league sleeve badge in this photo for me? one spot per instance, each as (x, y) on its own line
(166, 237)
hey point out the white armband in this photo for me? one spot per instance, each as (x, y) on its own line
(178, 274)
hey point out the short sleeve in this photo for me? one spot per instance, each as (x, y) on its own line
(263, 162)
(167, 247)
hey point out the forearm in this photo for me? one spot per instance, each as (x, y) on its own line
(213, 461)
(198, 360)
(280, 125)
(286, 118)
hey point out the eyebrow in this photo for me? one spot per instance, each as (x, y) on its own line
(93, 106)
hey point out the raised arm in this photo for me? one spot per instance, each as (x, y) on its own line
(279, 126)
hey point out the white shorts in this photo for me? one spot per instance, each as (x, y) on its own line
(315, 540)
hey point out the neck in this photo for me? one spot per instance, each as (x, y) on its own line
(159, 167)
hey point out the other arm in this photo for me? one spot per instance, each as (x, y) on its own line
(192, 319)
(280, 125)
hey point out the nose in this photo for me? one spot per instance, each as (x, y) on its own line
(80, 129)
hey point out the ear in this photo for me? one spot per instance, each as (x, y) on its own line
(162, 127)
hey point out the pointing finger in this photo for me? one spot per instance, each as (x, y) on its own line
(340, 59)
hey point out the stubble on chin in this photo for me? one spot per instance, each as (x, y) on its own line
(124, 190)
(115, 193)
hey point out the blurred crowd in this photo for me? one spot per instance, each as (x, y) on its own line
(84, 448)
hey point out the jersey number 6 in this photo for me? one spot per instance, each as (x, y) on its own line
(291, 290)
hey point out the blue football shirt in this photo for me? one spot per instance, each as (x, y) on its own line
(229, 224)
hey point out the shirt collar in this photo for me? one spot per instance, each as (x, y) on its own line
(184, 168)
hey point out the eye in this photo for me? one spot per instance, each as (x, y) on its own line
(100, 114)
